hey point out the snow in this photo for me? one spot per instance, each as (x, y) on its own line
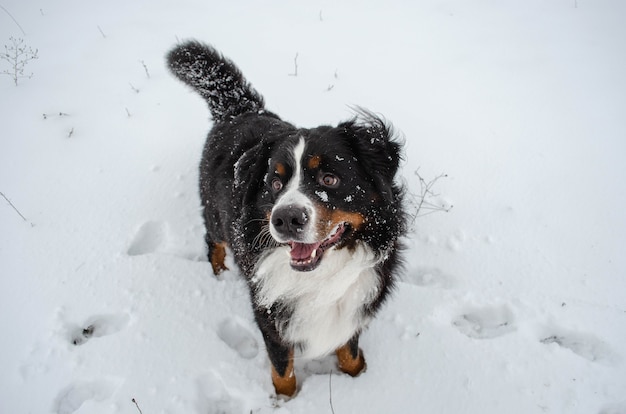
(323, 195)
(513, 301)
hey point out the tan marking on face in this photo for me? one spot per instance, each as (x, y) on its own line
(355, 220)
(348, 364)
(314, 161)
(286, 384)
(329, 219)
(280, 169)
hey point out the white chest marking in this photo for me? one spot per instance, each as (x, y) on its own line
(327, 302)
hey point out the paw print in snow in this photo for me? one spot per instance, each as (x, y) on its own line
(238, 337)
(584, 345)
(150, 237)
(98, 326)
(72, 397)
(486, 323)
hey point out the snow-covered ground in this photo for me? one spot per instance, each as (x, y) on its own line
(514, 301)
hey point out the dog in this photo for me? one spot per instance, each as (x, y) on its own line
(313, 216)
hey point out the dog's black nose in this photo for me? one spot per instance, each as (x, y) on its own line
(290, 221)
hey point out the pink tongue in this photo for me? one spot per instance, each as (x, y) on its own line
(301, 251)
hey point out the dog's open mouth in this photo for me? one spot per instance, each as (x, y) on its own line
(306, 257)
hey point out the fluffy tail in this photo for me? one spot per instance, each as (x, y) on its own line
(215, 78)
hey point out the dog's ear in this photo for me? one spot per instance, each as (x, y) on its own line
(376, 147)
(247, 173)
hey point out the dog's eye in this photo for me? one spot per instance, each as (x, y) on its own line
(329, 180)
(277, 185)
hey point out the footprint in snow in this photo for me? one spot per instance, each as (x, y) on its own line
(98, 326)
(429, 277)
(486, 323)
(150, 237)
(584, 345)
(214, 397)
(155, 237)
(71, 398)
(238, 337)
(455, 242)
(619, 408)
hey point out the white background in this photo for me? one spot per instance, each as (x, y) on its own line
(513, 301)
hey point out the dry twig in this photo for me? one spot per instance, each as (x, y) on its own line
(15, 208)
(330, 391)
(425, 204)
(137, 405)
(295, 64)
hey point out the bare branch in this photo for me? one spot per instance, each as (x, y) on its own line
(15, 208)
(425, 200)
(60, 114)
(13, 18)
(17, 55)
(145, 68)
(330, 391)
(137, 405)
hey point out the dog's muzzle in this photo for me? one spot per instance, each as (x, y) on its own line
(292, 225)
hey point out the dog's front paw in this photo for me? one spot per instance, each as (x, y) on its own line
(284, 378)
(285, 386)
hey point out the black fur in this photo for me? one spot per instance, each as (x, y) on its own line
(216, 79)
(236, 180)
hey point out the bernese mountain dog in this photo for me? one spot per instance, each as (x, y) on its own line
(312, 216)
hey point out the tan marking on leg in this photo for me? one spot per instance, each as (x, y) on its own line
(349, 365)
(314, 161)
(218, 255)
(285, 385)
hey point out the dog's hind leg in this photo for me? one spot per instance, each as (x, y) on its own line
(350, 357)
(217, 254)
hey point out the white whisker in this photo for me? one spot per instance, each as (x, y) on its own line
(264, 238)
